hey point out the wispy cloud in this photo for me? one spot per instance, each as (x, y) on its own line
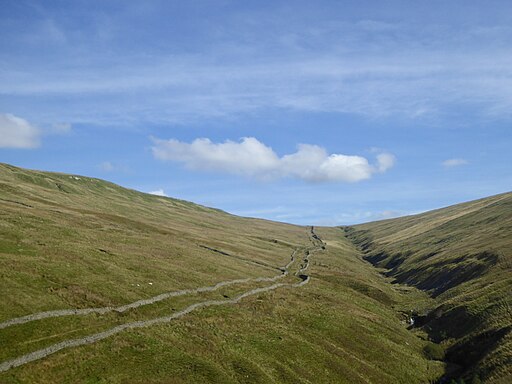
(108, 166)
(450, 163)
(60, 128)
(252, 158)
(16, 132)
(368, 67)
(265, 212)
(357, 217)
(181, 88)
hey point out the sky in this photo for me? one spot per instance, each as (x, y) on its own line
(315, 113)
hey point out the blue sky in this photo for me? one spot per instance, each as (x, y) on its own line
(328, 112)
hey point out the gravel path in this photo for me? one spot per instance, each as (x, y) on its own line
(41, 353)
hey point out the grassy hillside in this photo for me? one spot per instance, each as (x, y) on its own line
(462, 256)
(71, 243)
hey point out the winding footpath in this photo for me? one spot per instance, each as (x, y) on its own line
(42, 353)
(140, 303)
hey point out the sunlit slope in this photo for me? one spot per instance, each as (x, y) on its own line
(461, 255)
(73, 242)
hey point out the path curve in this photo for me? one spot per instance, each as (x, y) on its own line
(140, 303)
(44, 352)
(39, 354)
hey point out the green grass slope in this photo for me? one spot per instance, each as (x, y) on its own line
(462, 256)
(73, 242)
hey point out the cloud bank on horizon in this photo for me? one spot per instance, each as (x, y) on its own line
(252, 158)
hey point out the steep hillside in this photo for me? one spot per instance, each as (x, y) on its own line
(462, 256)
(105, 284)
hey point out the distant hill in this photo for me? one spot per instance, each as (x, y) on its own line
(462, 256)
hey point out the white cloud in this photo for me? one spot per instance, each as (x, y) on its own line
(454, 162)
(159, 192)
(249, 157)
(16, 132)
(252, 158)
(385, 161)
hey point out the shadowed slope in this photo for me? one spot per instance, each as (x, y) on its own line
(461, 255)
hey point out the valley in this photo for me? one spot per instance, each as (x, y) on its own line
(106, 284)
